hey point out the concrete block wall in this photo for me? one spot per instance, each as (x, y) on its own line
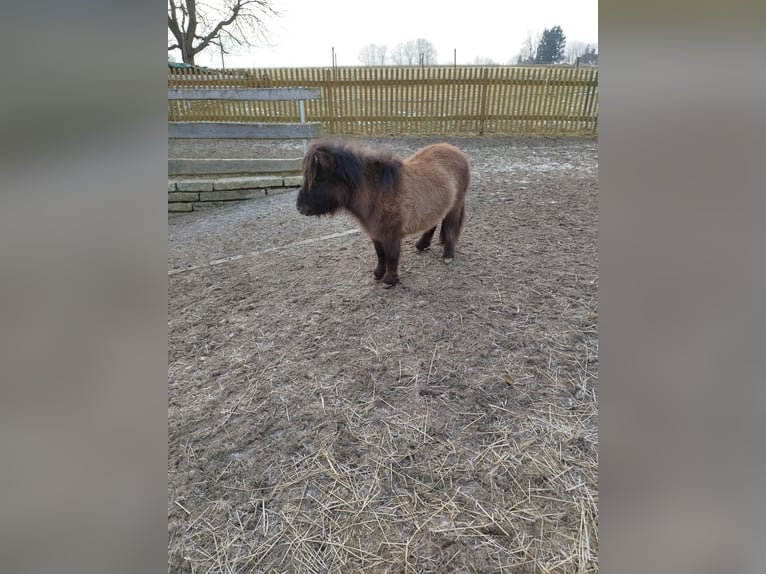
(199, 193)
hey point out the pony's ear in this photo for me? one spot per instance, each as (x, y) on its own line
(321, 158)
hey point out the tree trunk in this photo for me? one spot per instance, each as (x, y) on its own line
(187, 53)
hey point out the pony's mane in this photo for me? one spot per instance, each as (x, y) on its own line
(388, 165)
(351, 161)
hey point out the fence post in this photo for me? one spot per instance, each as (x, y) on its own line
(589, 97)
(328, 96)
(483, 106)
(595, 87)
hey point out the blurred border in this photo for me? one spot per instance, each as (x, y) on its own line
(83, 330)
(682, 277)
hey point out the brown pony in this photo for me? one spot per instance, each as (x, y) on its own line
(389, 197)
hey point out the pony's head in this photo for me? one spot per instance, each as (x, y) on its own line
(335, 173)
(331, 173)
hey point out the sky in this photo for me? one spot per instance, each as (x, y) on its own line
(308, 30)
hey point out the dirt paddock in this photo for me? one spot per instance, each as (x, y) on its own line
(321, 423)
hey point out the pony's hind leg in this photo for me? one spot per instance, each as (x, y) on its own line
(452, 225)
(425, 240)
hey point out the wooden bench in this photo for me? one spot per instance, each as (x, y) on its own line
(211, 181)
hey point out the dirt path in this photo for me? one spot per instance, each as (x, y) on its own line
(320, 423)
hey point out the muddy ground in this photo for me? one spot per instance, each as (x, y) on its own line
(321, 423)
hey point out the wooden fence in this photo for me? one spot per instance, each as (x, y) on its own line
(407, 100)
(244, 129)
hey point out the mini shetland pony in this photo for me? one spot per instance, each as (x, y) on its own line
(389, 197)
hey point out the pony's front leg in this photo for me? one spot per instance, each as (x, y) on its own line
(381, 268)
(391, 249)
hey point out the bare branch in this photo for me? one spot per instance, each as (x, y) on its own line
(173, 22)
(191, 28)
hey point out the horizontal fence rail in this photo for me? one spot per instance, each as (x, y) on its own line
(402, 100)
(243, 130)
(244, 94)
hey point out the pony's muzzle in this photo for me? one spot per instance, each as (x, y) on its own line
(303, 209)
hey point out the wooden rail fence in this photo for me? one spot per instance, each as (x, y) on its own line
(404, 100)
(238, 126)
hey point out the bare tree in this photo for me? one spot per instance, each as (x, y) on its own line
(373, 55)
(426, 53)
(194, 26)
(574, 50)
(483, 61)
(529, 48)
(404, 54)
(419, 52)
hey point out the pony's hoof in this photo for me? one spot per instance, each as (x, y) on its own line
(447, 260)
(388, 282)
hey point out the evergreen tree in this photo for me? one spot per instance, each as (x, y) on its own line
(551, 47)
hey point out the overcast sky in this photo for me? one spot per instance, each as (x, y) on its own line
(309, 29)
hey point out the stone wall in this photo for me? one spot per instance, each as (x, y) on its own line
(198, 193)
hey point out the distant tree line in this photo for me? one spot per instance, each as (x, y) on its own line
(550, 47)
(418, 52)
